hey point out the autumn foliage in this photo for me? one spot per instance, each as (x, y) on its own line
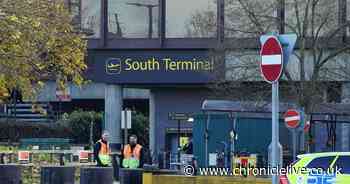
(37, 43)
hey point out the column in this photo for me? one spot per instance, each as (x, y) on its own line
(152, 125)
(113, 109)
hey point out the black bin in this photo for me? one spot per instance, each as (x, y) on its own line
(130, 176)
(96, 175)
(10, 174)
(57, 175)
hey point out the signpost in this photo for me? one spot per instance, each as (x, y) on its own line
(292, 120)
(271, 64)
(126, 123)
(288, 42)
(271, 67)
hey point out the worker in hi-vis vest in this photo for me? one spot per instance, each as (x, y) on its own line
(132, 154)
(102, 151)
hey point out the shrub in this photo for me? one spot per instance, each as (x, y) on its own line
(79, 122)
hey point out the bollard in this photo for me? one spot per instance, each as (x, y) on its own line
(10, 174)
(130, 176)
(57, 175)
(2, 158)
(96, 175)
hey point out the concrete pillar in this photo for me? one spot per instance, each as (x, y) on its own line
(152, 125)
(113, 109)
(345, 135)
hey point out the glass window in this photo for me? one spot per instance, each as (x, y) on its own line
(74, 9)
(324, 21)
(250, 18)
(133, 18)
(242, 66)
(348, 14)
(191, 18)
(90, 17)
(322, 162)
(343, 163)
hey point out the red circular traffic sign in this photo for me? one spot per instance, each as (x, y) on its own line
(292, 118)
(271, 64)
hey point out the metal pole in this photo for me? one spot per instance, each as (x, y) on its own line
(275, 132)
(233, 139)
(91, 132)
(294, 137)
(125, 128)
(207, 140)
(178, 148)
(152, 126)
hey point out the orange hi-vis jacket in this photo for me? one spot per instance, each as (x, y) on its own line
(135, 153)
(104, 150)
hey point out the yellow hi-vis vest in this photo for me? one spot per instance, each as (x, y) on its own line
(103, 154)
(131, 157)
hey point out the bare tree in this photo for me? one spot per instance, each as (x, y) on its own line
(319, 61)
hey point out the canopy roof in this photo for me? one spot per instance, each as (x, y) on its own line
(265, 107)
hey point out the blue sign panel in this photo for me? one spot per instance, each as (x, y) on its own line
(150, 67)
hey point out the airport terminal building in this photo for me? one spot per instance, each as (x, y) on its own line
(149, 55)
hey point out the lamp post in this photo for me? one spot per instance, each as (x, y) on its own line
(150, 15)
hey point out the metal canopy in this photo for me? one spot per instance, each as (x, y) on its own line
(265, 107)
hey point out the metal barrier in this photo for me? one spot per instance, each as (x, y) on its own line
(10, 174)
(57, 175)
(96, 175)
(150, 178)
(130, 176)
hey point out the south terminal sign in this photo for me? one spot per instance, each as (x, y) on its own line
(117, 65)
(151, 67)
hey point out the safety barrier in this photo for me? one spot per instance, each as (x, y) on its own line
(10, 174)
(57, 175)
(130, 176)
(96, 175)
(150, 178)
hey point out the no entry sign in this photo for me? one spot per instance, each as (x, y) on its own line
(292, 118)
(271, 64)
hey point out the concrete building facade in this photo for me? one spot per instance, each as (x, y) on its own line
(145, 50)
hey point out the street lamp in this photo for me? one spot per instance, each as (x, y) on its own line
(150, 15)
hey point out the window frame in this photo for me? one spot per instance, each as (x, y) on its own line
(191, 43)
(322, 157)
(348, 169)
